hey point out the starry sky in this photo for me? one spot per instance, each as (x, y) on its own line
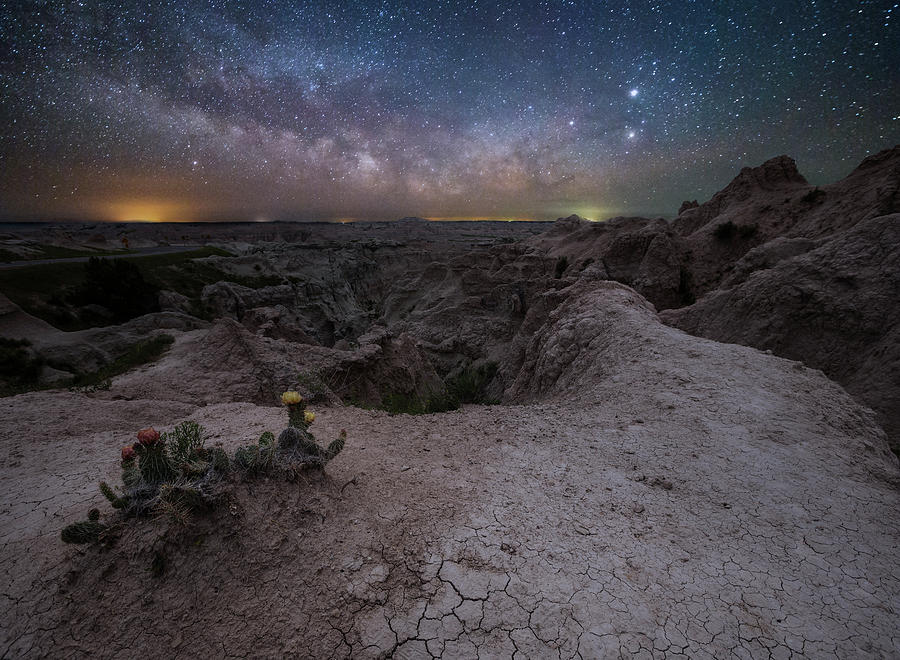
(265, 110)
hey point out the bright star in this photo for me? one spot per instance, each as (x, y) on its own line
(631, 134)
(633, 93)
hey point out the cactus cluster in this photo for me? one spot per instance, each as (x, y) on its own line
(169, 472)
(174, 473)
(295, 448)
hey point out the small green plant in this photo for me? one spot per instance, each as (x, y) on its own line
(686, 286)
(727, 231)
(748, 231)
(295, 449)
(561, 265)
(19, 367)
(470, 385)
(143, 352)
(814, 196)
(311, 382)
(396, 403)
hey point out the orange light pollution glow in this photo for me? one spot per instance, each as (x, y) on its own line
(148, 211)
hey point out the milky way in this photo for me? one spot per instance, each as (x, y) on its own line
(328, 110)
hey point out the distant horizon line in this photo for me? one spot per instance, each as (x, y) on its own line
(334, 221)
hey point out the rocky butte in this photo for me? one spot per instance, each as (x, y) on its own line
(687, 451)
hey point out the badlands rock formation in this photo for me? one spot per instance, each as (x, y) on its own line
(640, 492)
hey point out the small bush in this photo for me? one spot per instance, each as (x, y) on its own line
(727, 231)
(19, 368)
(686, 287)
(119, 286)
(410, 404)
(312, 383)
(814, 196)
(748, 231)
(470, 385)
(141, 353)
(561, 265)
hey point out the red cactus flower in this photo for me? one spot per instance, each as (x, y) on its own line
(148, 437)
(128, 453)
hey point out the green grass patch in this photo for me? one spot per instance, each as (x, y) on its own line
(144, 352)
(58, 252)
(435, 402)
(19, 367)
(468, 386)
(48, 291)
(19, 370)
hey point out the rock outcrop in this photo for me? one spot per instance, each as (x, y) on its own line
(835, 307)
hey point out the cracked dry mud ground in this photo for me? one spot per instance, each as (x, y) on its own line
(699, 500)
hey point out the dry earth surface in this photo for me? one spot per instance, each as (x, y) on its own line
(716, 501)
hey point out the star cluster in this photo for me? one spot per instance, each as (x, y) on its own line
(252, 110)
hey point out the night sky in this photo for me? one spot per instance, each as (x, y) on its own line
(375, 110)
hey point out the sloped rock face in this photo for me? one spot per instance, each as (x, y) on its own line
(225, 363)
(778, 176)
(836, 307)
(574, 347)
(228, 363)
(383, 365)
(641, 253)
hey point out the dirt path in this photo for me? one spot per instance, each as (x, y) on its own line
(133, 254)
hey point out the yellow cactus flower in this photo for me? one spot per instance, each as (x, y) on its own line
(309, 417)
(291, 397)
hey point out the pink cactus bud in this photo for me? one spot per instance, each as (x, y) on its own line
(128, 453)
(148, 437)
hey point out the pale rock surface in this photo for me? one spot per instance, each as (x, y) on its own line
(662, 495)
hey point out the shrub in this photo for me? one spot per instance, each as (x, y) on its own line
(19, 368)
(470, 385)
(312, 383)
(561, 265)
(725, 231)
(748, 231)
(138, 354)
(411, 404)
(814, 196)
(119, 286)
(686, 287)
